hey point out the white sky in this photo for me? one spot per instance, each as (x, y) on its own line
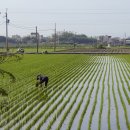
(90, 17)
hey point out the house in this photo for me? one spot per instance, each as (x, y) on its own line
(104, 39)
(116, 41)
(127, 41)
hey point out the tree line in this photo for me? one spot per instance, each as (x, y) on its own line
(63, 38)
(70, 37)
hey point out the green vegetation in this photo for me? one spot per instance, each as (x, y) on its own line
(72, 78)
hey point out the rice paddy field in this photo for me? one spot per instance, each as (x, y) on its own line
(85, 92)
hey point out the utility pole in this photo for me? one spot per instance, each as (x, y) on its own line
(125, 38)
(55, 38)
(37, 39)
(58, 38)
(7, 22)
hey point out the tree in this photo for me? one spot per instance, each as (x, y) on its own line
(71, 38)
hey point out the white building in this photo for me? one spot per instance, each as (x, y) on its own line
(104, 39)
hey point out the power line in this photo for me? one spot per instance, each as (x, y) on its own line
(93, 24)
(28, 28)
(2, 23)
(22, 27)
(67, 24)
(83, 13)
(45, 29)
(73, 11)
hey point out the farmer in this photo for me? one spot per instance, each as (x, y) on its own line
(41, 79)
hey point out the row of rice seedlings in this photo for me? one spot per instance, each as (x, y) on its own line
(18, 99)
(22, 106)
(41, 123)
(74, 81)
(83, 83)
(68, 69)
(54, 107)
(72, 76)
(123, 104)
(27, 84)
(65, 77)
(29, 108)
(126, 66)
(102, 100)
(66, 111)
(109, 99)
(126, 61)
(17, 104)
(95, 101)
(20, 96)
(121, 98)
(73, 116)
(124, 71)
(49, 126)
(52, 121)
(21, 88)
(124, 89)
(115, 101)
(88, 101)
(92, 112)
(10, 86)
(23, 76)
(62, 107)
(70, 107)
(31, 114)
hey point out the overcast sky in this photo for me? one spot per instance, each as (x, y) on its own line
(90, 17)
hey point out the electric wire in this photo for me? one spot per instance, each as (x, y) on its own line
(22, 27)
(28, 28)
(2, 23)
